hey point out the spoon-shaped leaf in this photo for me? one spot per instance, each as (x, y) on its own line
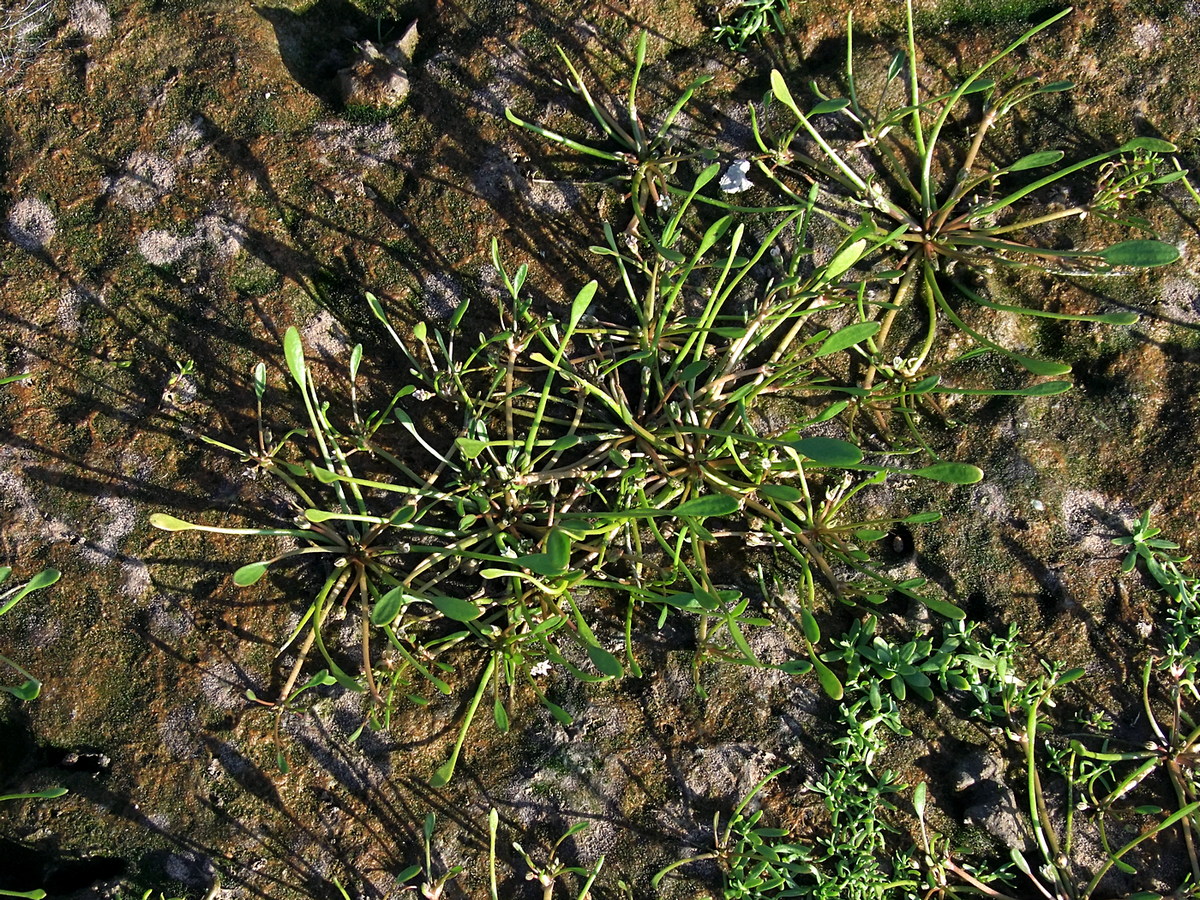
(949, 473)
(457, 609)
(388, 607)
(604, 661)
(249, 574)
(1141, 254)
(293, 352)
(847, 337)
(1036, 160)
(829, 451)
(708, 505)
(170, 523)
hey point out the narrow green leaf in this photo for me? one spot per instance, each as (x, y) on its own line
(976, 87)
(459, 312)
(949, 473)
(944, 608)
(558, 549)
(780, 89)
(1070, 675)
(580, 304)
(919, 796)
(869, 534)
(829, 682)
(249, 574)
(925, 385)
(1036, 160)
(1042, 389)
(1055, 86)
(500, 715)
(293, 352)
(1140, 254)
(708, 505)
(170, 523)
(387, 607)
(847, 337)
(845, 257)
(1154, 145)
(830, 411)
(922, 518)
(28, 690)
(408, 874)
(1040, 366)
(783, 492)
(604, 661)
(260, 380)
(828, 451)
(560, 715)
(828, 106)
(42, 579)
(442, 776)
(812, 630)
(355, 360)
(457, 609)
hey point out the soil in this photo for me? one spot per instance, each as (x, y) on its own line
(181, 182)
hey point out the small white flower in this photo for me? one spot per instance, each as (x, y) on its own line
(734, 180)
(541, 670)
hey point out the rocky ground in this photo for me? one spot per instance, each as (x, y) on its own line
(182, 180)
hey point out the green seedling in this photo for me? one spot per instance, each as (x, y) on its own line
(30, 687)
(751, 19)
(757, 860)
(421, 877)
(548, 875)
(914, 665)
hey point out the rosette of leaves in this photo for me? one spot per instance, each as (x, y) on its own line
(574, 467)
(646, 158)
(943, 216)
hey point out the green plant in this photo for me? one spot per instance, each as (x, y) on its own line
(914, 665)
(939, 216)
(749, 19)
(854, 856)
(9, 597)
(592, 463)
(431, 885)
(646, 158)
(755, 859)
(421, 877)
(1095, 787)
(547, 875)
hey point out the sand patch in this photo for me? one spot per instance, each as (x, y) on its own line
(31, 224)
(91, 19)
(144, 178)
